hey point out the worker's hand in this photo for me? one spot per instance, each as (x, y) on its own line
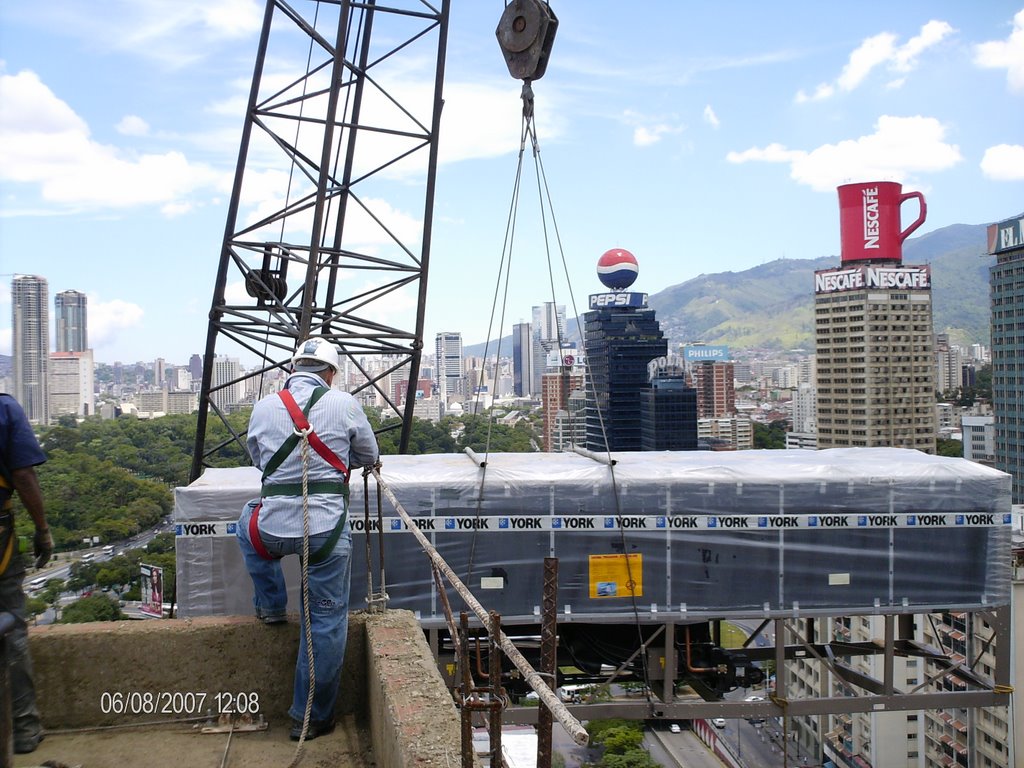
(42, 546)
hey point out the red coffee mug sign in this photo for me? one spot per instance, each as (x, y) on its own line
(869, 220)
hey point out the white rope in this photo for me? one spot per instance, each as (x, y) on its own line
(304, 434)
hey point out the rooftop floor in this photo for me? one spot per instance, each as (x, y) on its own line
(181, 745)
(393, 707)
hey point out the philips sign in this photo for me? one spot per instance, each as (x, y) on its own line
(620, 299)
(704, 354)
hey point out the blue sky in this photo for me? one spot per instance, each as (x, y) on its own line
(702, 137)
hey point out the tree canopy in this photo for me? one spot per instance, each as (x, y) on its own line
(771, 436)
(92, 608)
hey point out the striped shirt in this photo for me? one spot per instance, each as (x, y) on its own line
(339, 421)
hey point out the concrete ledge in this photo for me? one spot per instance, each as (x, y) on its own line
(143, 671)
(413, 718)
(80, 668)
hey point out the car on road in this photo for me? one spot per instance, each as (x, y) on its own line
(754, 698)
(718, 722)
(675, 728)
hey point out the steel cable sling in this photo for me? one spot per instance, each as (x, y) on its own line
(529, 131)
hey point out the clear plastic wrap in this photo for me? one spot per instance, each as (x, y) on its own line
(674, 535)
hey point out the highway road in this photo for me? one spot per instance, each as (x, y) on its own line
(61, 568)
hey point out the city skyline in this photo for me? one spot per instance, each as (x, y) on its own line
(719, 142)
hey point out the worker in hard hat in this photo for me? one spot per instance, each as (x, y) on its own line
(271, 527)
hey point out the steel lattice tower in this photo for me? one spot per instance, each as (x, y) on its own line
(345, 100)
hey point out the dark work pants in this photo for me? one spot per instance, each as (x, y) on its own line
(27, 728)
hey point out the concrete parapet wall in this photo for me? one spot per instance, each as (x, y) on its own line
(413, 718)
(101, 673)
(118, 673)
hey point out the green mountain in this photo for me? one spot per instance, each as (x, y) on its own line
(771, 306)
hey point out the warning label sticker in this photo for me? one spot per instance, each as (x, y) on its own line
(616, 576)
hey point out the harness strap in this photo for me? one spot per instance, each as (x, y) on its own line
(316, 558)
(7, 547)
(300, 419)
(254, 534)
(292, 440)
(302, 423)
(295, 489)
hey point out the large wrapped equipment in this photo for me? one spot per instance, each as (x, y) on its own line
(671, 536)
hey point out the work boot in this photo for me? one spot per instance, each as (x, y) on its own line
(315, 729)
(24, 745)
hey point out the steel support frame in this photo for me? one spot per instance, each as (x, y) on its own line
(870, 695)
(324, 256)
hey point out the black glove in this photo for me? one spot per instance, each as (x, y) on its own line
(42, 546)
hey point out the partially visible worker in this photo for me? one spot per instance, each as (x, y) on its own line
(20, 454)
(340, 438)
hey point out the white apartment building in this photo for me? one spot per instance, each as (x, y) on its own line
(979, 438)
(738, 431)
(227, 383)
(449, 366)
(72, 387)
(805, 409)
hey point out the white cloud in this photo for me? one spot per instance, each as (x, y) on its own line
(1006, 54)
(870, 54)
(899, 148)
(876, 51)
(108, 319)
(710, 117)
(44, 144)
(1004, 162)
(648, 130)
(773, 153)
(175, 34)
(932, 33)
(133, 125)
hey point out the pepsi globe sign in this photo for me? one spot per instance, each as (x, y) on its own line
(617, 269)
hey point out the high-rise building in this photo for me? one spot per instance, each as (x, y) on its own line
(561, 422)
(227, 383)
(548, 330)
(668, 413)
(522, 359)
(1006, 243)
(805, 409)
(72, 384)
(30, 345)
(620, 340)
(716, 389)
(195, 368)
(72, 321)
(875, 364)
(449, 365)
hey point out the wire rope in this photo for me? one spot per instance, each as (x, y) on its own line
(546, 205)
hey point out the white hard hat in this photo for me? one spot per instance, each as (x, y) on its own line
(314, 354)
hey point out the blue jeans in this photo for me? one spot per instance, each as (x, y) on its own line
(328, 595)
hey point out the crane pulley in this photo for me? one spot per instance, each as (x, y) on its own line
(526, 32)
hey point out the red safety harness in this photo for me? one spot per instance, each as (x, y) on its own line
(302, 427)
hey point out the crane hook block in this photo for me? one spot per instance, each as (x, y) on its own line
(525, 33)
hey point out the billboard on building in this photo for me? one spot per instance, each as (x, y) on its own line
(618, 299)
(863, 277)
(152, 590)
(704, 354)
(1006, 235)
